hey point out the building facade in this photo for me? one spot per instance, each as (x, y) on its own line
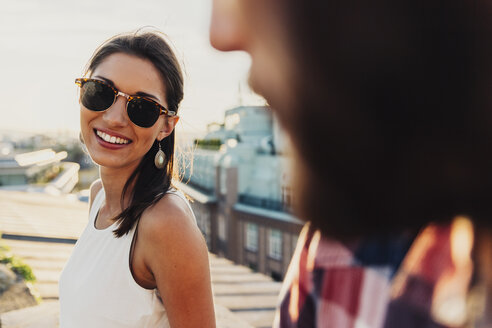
(241, 192)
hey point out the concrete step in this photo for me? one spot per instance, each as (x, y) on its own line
(219, 261)
(46, 260)
(48, 290)
(239, 278)
(248, 303)
(21, 244)
(40, 255)
(258, 319)
(44, 315)
(46, 276)
(258, 288)
(229, 269)
(226, 319)
(39, 264)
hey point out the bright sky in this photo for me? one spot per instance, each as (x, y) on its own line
(45, 44)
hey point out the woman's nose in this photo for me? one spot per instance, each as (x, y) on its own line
(116, 114)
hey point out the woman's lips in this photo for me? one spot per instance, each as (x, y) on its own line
(112, 141)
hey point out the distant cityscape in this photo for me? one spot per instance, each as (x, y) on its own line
(236, 174)
(40, 163)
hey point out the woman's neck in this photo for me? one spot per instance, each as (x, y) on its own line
(113, 182)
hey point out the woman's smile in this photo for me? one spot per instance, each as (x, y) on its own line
(111, 140)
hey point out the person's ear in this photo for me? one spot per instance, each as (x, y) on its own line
(168, 126)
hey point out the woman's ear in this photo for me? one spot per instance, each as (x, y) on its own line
(168, 126)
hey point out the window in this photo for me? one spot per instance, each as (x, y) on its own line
(287, 198)
(252, 237)
(275, 244)
(222, 228)
(294, 242)
(223, 184)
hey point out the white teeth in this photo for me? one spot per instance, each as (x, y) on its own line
(111, 139)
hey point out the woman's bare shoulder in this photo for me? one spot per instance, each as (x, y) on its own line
(170, 217)
(172, 242)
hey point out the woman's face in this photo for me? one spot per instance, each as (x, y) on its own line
(133, 76)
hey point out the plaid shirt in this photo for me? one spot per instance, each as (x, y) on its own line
(383, 282)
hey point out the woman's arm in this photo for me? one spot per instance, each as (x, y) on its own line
(176, 255)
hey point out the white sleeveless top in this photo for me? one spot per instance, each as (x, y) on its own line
(97, 288)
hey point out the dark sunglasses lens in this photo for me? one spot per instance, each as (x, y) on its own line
(142, 112)
(96, 96)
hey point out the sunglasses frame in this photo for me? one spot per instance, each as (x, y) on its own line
(162, 110)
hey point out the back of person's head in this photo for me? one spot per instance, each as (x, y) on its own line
(390, 123)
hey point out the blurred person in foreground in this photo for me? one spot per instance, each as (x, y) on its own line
(388, 107)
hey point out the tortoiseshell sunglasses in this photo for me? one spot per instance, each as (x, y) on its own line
(98, 96)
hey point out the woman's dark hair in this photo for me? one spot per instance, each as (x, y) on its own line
(392, 124)
(147, 183)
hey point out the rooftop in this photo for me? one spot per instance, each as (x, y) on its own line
(43, 228)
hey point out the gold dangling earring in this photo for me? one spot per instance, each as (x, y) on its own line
(160, 158)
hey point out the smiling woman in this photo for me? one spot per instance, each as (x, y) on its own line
(141, 261)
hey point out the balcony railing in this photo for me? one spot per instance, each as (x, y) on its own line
(265, 203)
